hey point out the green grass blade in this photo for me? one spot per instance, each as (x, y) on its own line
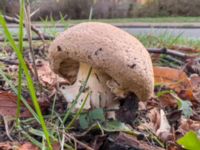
(30, 138)
(22, 98)
(82, 88)
(21, 34)
(78, 112)
(28, 78)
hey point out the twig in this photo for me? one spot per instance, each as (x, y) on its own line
(85, 132)
(33, 28)
(169, 52)
(28, 29)
(5, 119)
(173, 60)
(9, 62)
(79, 142)
(26, 38)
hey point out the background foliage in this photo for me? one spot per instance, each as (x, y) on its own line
(79, 9)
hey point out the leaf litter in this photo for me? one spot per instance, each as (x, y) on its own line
(167, 121)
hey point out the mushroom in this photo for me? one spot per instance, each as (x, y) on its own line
(120, 64)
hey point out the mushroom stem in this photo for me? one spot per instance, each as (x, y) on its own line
(100, 93)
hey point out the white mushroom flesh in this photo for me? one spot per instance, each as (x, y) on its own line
(100, 94)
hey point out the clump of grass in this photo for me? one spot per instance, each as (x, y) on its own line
(167, 40)
(140, 20)
(50, 26)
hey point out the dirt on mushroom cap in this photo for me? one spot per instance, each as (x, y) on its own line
(108, 49)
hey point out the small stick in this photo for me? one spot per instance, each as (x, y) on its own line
(28, 29)
(26, 38)
(86, 132)
(5, 119)
(169, 52)
(33, 28)
(9, 62)
(79, 142)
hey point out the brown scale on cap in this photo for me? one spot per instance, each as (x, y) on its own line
(110, 51)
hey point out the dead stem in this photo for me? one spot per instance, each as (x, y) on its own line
(33, 28)
(79, 142)
(6, 120)
(28, 29)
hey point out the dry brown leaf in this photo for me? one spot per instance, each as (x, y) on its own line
(56, 146)
(195, 80)
(16, 145)
(127, 140)
(28, 146)
(173, 146)
(185, 49)
(47, 76)
(8, 105)
(167, 100)
(188, 124)
(8, 145)
(154, 117)
(164, 130)
(174, 79)
(24, 146)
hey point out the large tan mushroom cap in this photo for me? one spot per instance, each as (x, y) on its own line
(108, 49)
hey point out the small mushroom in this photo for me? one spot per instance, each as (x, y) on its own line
(120, 64)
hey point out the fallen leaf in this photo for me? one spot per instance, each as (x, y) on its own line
(8, 145)
(192, 66)
(164, 130)
(28, 146)
(186, 107)
(185, 49)
(195, 81)
(176, 80)
(173, 146)
(154, 117)
(167, 100)
(190, 141)
(18, 146)
(126, 141)
(56, 146)
(91, 117)
(24, 146)
(188, 124)
(174, 116)
(153, 121)
(47, 76)
(8, 105)
(114, 126)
